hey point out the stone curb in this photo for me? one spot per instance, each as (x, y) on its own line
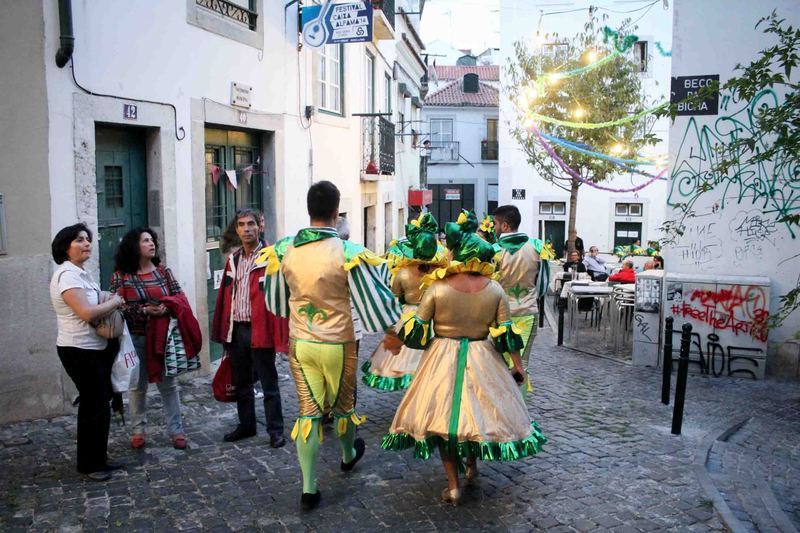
(700, 462)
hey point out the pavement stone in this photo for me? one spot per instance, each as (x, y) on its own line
(611, 464)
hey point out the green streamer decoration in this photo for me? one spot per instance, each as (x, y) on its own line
(596, 125)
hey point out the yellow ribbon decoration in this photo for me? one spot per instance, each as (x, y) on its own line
(269, 257)
(364, 257)
(462, 218)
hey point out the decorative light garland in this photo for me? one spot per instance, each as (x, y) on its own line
(597, 125)
(566, 168)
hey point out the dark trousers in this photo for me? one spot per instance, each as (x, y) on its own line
(90, 370)
(598, 276)
(244, 360)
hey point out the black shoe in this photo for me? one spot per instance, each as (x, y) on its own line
(310, 501)
(113, 465)
(100, 475)
(239, 433)
(277, 441)
(360, 447)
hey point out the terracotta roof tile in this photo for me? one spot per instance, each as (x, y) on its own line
(452, 72)
(453, 95)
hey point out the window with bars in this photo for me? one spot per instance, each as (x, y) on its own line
(114, 186)
(329, 78)
(222, 199)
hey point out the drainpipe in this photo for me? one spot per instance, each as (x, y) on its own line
(64, 53)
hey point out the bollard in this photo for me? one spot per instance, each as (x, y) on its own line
(542, 301)
(666, 362)
(562, 306)
(680, 382)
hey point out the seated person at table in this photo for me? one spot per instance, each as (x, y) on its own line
(574, 261)
(626, 275)
(595, 265)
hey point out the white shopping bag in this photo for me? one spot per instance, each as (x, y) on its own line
(126, 364)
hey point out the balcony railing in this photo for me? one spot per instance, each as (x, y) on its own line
(231, 10)
(444, 152)
(387, 6)
(377, 154)
(489, 150)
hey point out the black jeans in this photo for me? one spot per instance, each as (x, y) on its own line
(244, 361)
(90, 370)
(598, 276)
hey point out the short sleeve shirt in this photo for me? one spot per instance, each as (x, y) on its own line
(72, 330)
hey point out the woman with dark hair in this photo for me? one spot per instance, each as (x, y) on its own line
(87, 357)
(142, 281)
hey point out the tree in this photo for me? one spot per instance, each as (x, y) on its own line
(609, 92)
(775, 140)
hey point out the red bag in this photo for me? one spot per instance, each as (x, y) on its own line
(224, 390)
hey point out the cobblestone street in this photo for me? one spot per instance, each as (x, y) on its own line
(610, 464)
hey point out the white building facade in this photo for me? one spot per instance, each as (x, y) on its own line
(604, 219)
(461, 118)
(174, 118)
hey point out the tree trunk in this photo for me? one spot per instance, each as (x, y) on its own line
(572, 233)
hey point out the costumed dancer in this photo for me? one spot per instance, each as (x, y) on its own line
(312, 278)
(421, 252)
(463, 398)
(523, 276)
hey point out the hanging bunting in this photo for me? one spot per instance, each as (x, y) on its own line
(232, 178)
(597, 125)
(215, 174)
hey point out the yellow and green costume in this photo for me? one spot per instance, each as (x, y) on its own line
(523, 275)
(463, 397)
(311, 279)
(384, 370)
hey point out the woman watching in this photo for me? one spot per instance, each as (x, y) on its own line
(142, 281)
(87, 357)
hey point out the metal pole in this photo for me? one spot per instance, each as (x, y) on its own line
(666, 361)
(562, 306)
(680, 382)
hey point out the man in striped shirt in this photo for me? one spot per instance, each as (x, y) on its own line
(312, 278)
(250, 333)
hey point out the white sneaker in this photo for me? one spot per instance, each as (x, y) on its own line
(258, 393)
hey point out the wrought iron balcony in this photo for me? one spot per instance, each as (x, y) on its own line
(233, 11)
(383, 27)
(489, 150)
(444, 152)
(377, 153)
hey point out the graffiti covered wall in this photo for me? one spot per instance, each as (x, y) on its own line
(735, 228)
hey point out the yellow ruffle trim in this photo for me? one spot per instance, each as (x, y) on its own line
(547, 253)
(367, 257)
(439, 260)
(341, 423)
(303, 426)
(474, 265)
(496, 332)
(269, 257)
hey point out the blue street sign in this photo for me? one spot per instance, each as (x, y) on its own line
(331, 23)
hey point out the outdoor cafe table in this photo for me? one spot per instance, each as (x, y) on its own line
(572, 291)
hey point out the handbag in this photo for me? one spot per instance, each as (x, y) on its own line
(222, 385)
(126, 364)
(175, 360)
(112, 325)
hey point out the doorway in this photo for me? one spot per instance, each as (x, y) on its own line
(121, 189)
(626, 233)
(555, 232)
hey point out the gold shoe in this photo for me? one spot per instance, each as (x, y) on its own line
(471, 473)
(451, 496)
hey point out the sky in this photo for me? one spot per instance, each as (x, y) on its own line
(473, 24)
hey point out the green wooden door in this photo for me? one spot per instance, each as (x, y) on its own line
(626, 233)
(121, 190)
(555, 232)
(237, 151)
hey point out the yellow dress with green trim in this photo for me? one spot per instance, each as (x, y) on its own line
(384, 370)
(463, 396)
